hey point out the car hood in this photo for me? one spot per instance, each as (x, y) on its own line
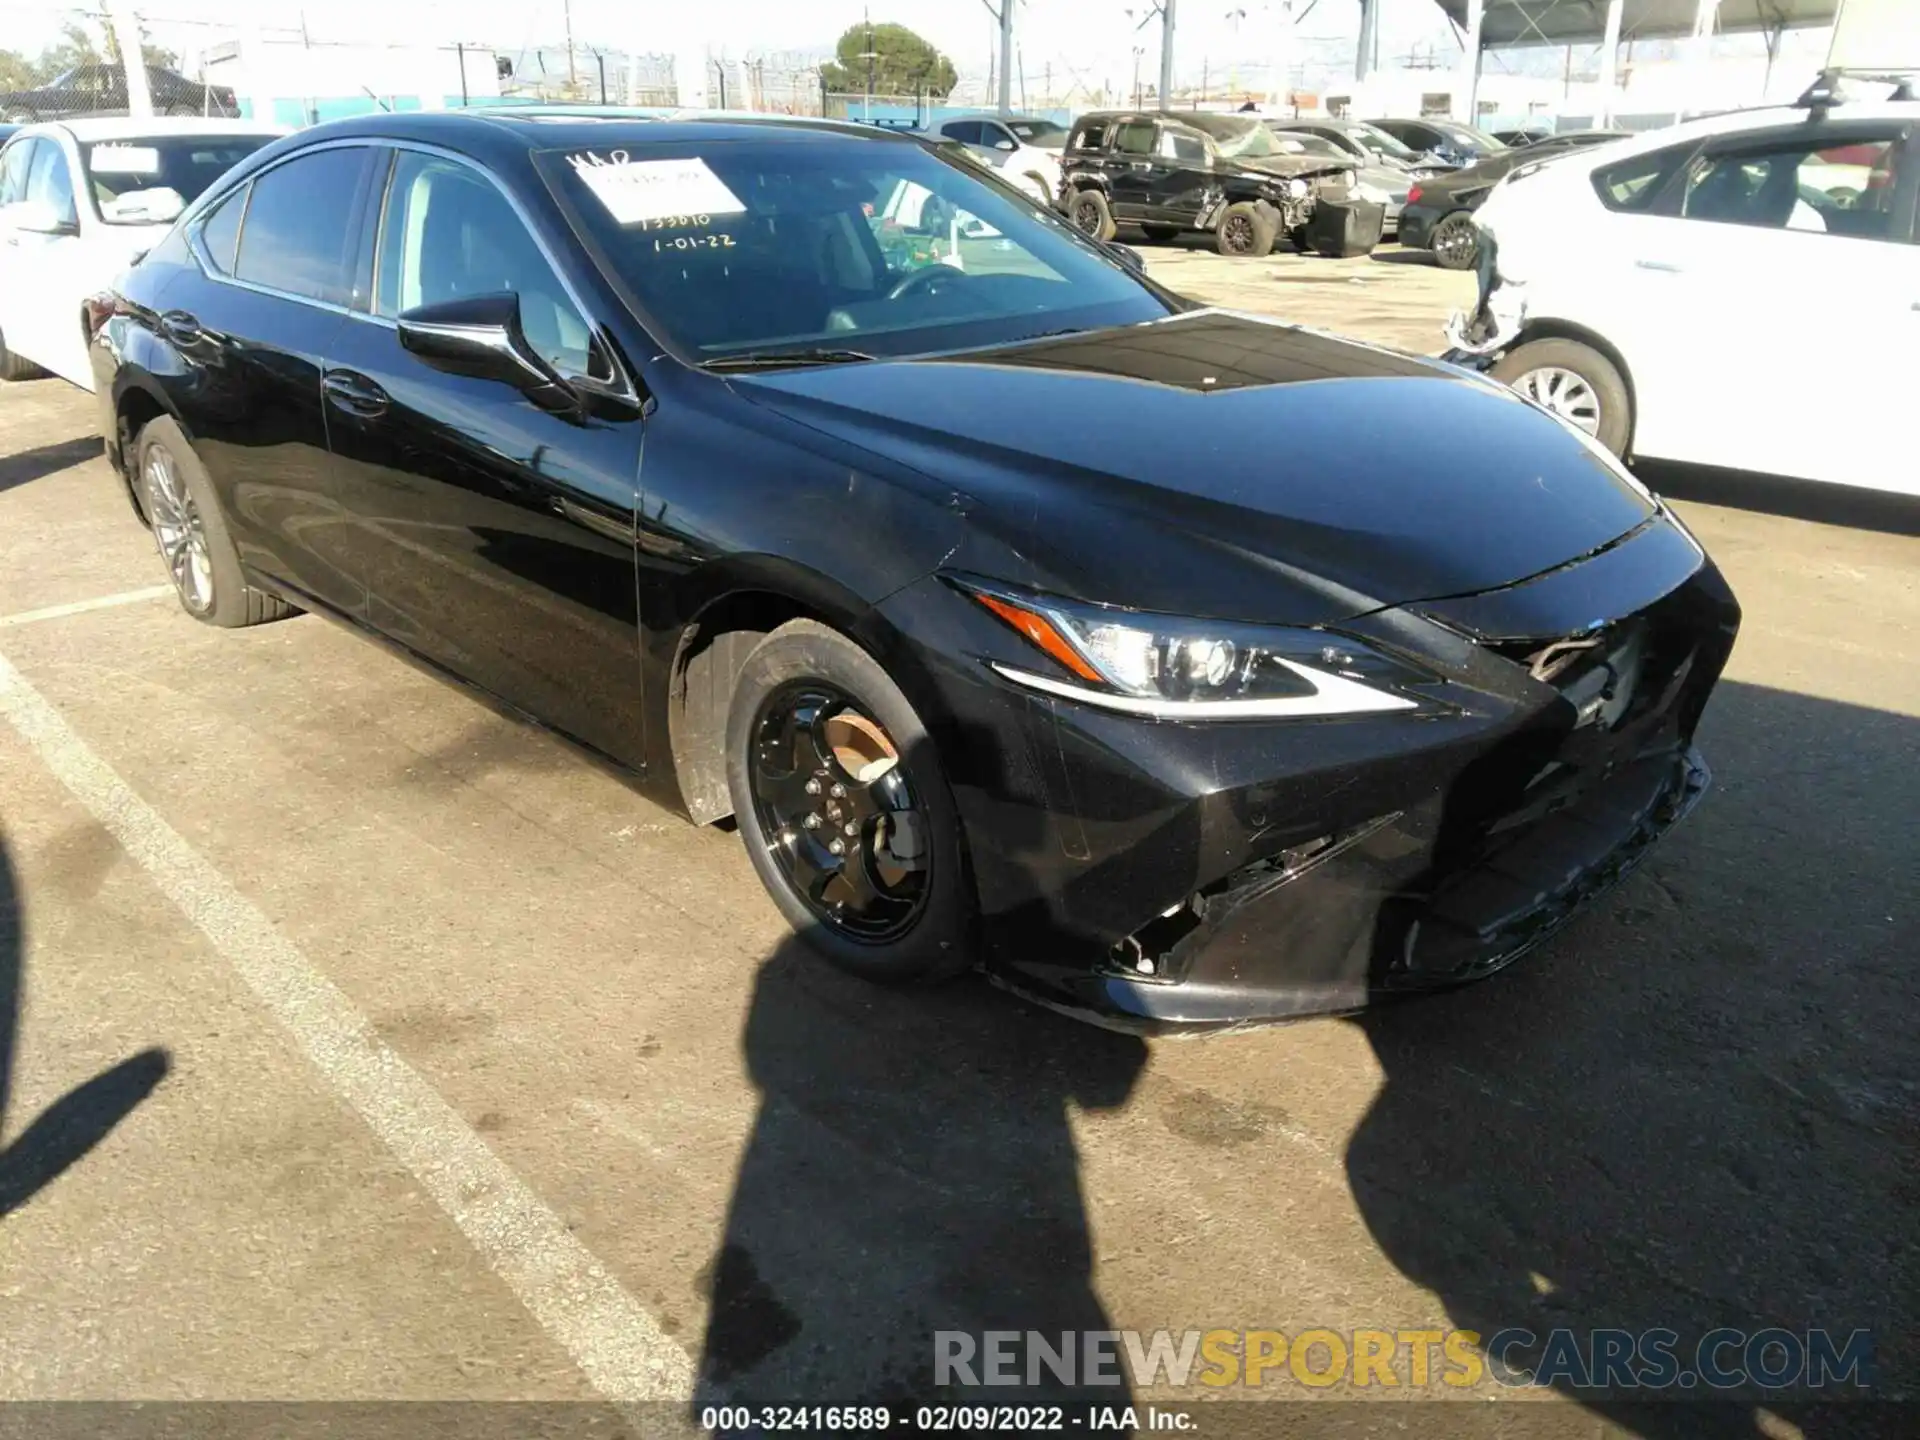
(1220, 465)
(1287, 167)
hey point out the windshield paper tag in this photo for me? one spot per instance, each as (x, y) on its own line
(636, 191)
(124, 160)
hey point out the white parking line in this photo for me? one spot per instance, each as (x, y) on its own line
(617, 1344)
(80, 607)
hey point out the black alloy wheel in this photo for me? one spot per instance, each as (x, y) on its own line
(1091, 214)
(839, 813)
(844, 809)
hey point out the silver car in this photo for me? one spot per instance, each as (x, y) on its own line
(1380, 181)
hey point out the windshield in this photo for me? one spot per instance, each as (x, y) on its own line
(1469, 137)
(885, 248)
(1235, 135)
(1043, 133)
(184, 164)
(1379, 141)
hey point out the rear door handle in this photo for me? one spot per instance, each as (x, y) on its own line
(355, 394)
(1665, 267)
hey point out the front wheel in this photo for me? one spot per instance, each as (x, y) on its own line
(1577, 383)
(845, 809)
(1246, 231)
(1091, 215)
(1455, 242)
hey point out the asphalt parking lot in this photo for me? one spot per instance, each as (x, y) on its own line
(359, 1044)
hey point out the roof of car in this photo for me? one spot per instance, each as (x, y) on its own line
(502, 129)
(1733, 122)
(996, 115)
(121, 127)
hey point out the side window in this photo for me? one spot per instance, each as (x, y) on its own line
(448, 234)
(14, 163)
(1135, 137)
(220, 230)
(1180, 146)
(50, 180)
(1634, 184)
(967, 132)
(1090, 136)
(298, 227)
(997, 137)
(1797, 184)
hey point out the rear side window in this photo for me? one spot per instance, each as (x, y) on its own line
(220, 230)
(299, 225)
(967, 132)
(1633, 184)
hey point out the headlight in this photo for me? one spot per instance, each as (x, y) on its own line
(1175, 669)
(1297, 189)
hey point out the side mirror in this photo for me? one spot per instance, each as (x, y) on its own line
(37, 217)
(1004, 144)
(1127, 256)
(481, 337)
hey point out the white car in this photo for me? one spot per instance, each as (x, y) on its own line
(1024, 148)
(80, 200)
(1741, 291)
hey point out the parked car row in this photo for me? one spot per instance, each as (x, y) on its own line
(1165, 741)
(101, 90)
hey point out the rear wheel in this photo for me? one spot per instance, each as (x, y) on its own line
(845, 810)
(1090, 213)
(16, 367)
(1456, 244)
(1160, 234)
(191, 533)
(1246, 231)
(1577, 383)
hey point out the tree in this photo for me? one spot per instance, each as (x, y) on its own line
(902, 64)
(17, 72)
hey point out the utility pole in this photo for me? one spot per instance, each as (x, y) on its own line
(133, 60)
(1166, 53)
(566, 11)
(1006, 57)
(1603, 111)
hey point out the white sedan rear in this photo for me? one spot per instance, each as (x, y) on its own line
(80, 200)
(1742, 291)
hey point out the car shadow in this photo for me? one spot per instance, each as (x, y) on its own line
(1696, 1108)
(62, 1134)
(1814, 500)
(22, 467)
(1391, 252)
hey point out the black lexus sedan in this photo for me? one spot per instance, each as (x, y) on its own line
(1183, 669)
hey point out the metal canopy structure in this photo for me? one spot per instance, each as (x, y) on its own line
(1575, 22)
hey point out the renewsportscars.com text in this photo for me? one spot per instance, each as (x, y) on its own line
(1724, 1359)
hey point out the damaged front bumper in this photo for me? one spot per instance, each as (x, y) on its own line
(1193, 877)
(1478, 336)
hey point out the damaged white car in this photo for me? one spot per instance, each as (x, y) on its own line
(1741, 291)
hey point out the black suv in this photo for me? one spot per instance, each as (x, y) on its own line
(1223, 174)
(102, 90)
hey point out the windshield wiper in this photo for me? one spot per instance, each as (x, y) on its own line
(780, 359)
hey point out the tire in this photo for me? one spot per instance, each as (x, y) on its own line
(1301, 241)
(1160, 234)
(16, 367)
(177, 497)
(919, 933)
(1576, 382)
(1090, 214)
(1454, 241)
(1245, 232)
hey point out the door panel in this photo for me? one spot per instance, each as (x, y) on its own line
(499, 538)
(1180, 178)
(1132, 169)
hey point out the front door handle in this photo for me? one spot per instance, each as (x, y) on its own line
(1665, 267)
(355, 394)
(1141, 165)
